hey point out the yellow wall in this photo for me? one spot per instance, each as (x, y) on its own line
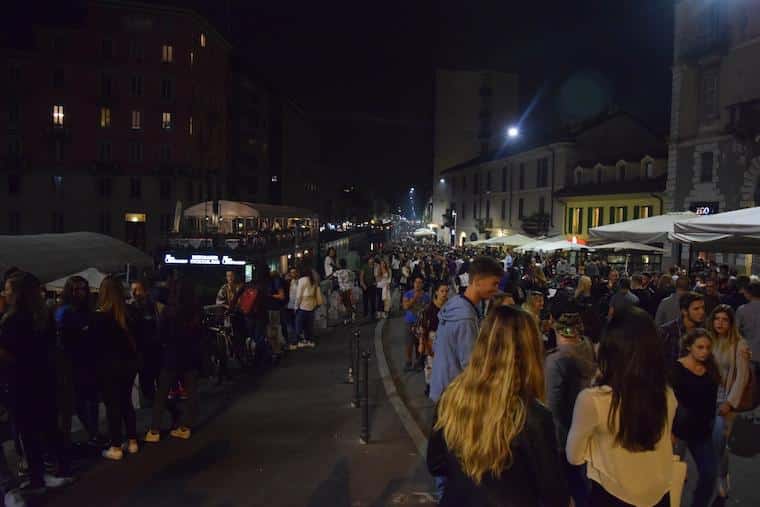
(605, 202)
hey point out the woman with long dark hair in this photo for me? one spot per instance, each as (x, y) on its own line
(116, 354)
(26, 343)
(181, 332)
(621, 428)
(493, 440)
(731, 352)
(695, 382)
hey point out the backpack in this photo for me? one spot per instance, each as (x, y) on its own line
(248, 300)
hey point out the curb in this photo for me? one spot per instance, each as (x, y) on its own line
(407, 420)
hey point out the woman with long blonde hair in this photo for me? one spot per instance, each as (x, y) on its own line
(731, 353)
(493, 440)
(116, 366)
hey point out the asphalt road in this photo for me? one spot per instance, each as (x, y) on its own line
(286, 438)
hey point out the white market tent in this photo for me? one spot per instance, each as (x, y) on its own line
(565, 245)
(424, 233)
(539, 245)
(643, 230)
(53, 256)
(477, 242)
(513, 240)
(93, 276)
(732, 231)
(629, 246)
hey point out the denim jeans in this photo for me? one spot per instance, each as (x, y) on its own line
(305, 324)
(440, 486)
(721, 433)
(705, 457)
(290, 324)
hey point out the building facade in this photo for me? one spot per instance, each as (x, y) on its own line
(112, 120)
(472, 112)
(713, 158)
(528, 187)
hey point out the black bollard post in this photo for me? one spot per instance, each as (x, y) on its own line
(357, 351)
(364, 432)
(350, 374)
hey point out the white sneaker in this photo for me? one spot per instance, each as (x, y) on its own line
(113, 453)
(153, 437)
(131, 447)
(13, 498)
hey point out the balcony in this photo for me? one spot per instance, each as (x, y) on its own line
(744, 124)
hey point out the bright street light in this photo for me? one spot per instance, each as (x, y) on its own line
(443, 181)
(513, 132)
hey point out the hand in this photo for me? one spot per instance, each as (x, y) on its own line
(725, 408)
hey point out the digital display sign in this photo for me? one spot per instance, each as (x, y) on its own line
(204, 260)
(704, 208)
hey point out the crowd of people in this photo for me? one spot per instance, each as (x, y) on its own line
(592, 377)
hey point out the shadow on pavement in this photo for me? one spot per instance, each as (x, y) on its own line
(334, 490)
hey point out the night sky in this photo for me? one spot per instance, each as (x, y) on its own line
(364, 70)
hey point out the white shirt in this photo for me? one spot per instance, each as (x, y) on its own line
(306, 294)
(293, 294)
(329, 266)
(639, 478)
(345, 279)
(508, 261)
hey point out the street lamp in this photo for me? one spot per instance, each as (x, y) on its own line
(513, 132)
(442, 181)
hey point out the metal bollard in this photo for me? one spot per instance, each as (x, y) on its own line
(364, 431)
(350, 374)
(355, 403)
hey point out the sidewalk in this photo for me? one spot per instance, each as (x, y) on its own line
(418, 408)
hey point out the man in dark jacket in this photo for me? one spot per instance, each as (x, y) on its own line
(692, 307)
(146, 314)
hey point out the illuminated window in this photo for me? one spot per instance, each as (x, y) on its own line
(58, 116)
(105, 117)
(136, 120)
(167, 53)
(596, 217)
(203, 40)
(576, 220)
(190, 126)
(621, 214)
(166, 121)
(646, 211)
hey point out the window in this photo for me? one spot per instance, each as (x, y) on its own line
(595, 217)
(464, 182)
(58, 116)
(618, 214)
(14, 184)
(190, 126)
(165, 189)
(706, 167)
(541, 204)
(488, 208)
(135, 50)
(621, 172)
(57, 182)
(136, 120)
(166, 121)
(135, 187)
(488, 181)
(474, 209)
(542, 172)
(104, 187)
(574, 220)
(14, 147)
(649, 169)
(709, 91)
(167, 53)
(105, 151)
(192, 58)
(521, 184)
(57, 222)
(504, 179)
(105, 85)
(167, 223)
(503, 209)
(464, 210)
(14, 112)
(105, 117)
(58, 78)
(14, 72)
(165, 153)
(475, 183)
(166, 89)
(599, 175)
(578, 176)
(135, 151)
(203, 40)
(646, 211)
(521, 208)
(104, 222)
(14, 222)
(107, 48)
(136, 86)
(58, 150)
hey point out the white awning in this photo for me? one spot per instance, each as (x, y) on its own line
(239, 209)
(421, 233)
(732, 231)
(643, 230)
(93, 276)
(629, 246)
(513, 240)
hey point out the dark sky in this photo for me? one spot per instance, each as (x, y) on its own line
(365, 69)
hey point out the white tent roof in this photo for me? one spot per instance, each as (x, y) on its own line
(629, 246)
(93, 276)
(538, 245)
(239, 209)
(643, 230)
(564, 245)
(477, 242)
(423, 232)
(513, 240)
(732, 231)
(52, 256)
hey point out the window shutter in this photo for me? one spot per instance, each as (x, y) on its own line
(589, 219)
(625, 213)
(580, 220)
(636, 212)
(601, 217)
(569, 228)
(612, 214)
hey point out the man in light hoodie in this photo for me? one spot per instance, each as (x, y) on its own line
(459, 321)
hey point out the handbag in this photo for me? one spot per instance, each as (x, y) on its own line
(677, 481)
(751, 393)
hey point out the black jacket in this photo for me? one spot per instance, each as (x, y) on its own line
(535, 478)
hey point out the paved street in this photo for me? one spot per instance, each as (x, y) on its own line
(287, 439)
